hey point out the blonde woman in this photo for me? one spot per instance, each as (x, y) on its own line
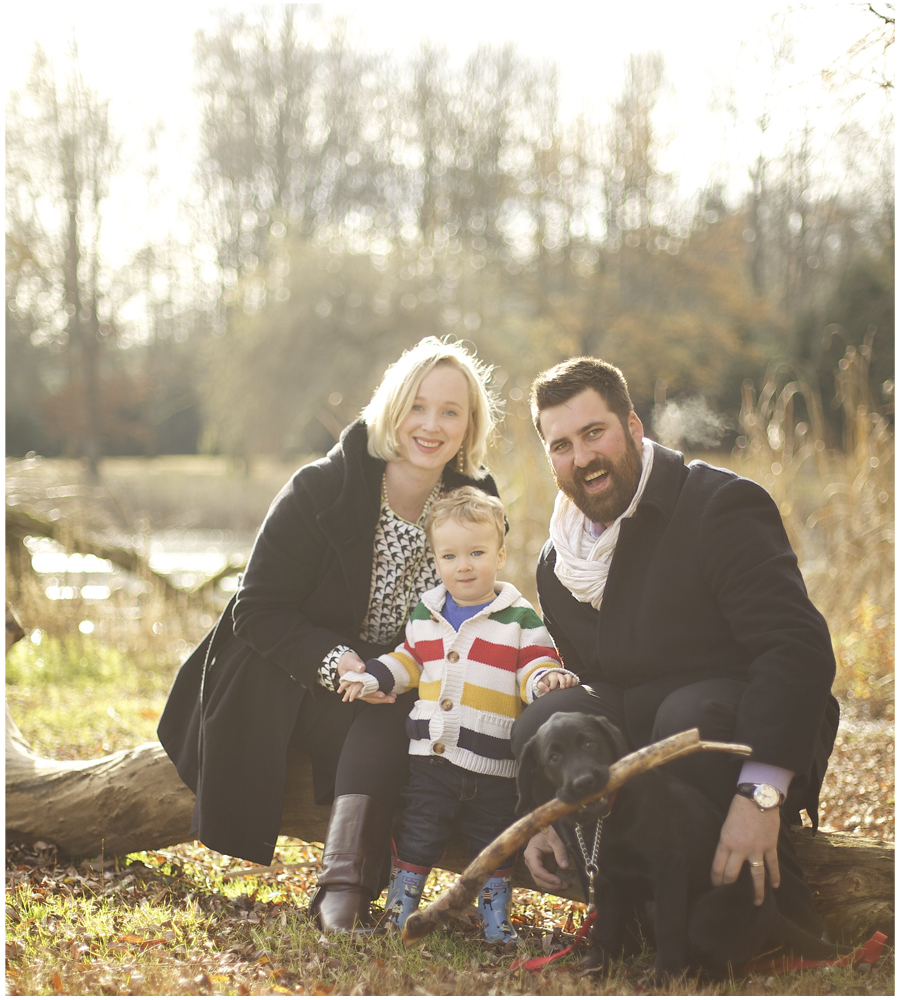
(339, 563)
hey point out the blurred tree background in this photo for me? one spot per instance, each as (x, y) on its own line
(348, 203)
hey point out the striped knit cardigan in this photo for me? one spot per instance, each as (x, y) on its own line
(473, 683)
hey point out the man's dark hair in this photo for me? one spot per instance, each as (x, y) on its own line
(566, 380)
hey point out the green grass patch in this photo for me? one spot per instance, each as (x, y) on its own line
(79, 698)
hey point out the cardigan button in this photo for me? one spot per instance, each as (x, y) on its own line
(439, 748)
(453, 656)
(434, 618)
(446, 704)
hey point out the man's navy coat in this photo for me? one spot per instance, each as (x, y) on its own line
(704, 583)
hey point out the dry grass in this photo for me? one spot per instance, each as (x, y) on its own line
(838, 508)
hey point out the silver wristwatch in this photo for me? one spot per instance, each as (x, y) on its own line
(765, 796)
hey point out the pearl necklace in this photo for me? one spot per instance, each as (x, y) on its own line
(432, 496)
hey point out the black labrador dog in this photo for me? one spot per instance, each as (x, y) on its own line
(657, 842)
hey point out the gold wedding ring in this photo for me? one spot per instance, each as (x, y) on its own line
(756, 864)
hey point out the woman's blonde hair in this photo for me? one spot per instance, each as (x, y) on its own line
(393, 400)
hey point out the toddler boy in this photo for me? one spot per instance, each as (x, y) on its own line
(478, 652)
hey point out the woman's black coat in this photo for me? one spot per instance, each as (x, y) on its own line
(237, 698)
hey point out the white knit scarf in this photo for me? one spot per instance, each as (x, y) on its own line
(586, 578)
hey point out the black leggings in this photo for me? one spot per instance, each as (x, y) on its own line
(355, 748)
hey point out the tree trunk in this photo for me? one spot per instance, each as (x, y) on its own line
(134, 801)
(852, 879)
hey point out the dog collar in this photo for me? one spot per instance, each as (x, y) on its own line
(590, 858)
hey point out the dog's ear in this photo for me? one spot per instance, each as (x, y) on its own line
(613, 736)
(531, 783)
(525, 778)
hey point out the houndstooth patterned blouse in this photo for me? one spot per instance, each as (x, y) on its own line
(402, 570)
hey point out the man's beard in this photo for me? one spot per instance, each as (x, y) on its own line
(623, 473)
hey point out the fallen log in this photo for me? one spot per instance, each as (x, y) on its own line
(852, 879)
(134, 801)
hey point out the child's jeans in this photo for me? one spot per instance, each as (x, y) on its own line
(438, 792)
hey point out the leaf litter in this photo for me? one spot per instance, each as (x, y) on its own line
(190, 922)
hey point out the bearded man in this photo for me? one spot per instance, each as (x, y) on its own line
(674, 594)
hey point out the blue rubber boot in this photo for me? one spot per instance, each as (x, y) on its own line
(404, 892)
(493, 905)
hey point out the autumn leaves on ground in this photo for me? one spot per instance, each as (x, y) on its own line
(188, 922)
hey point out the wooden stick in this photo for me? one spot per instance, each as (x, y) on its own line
(422, 922)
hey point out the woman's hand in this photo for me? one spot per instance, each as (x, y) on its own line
(748, 834)
(350, 663)
(545, 845)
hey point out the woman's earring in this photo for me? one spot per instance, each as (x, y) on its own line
(461, 459)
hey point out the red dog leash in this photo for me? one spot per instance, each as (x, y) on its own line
(530, 964)
(869, 952)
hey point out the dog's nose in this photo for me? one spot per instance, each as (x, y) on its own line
(585, 784)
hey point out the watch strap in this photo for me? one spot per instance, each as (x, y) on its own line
(749, 790)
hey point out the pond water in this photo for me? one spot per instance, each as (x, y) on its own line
(186, 558)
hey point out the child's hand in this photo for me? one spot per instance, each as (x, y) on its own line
(358, 685)
(555, 679)
(351, 690)
(349, 667)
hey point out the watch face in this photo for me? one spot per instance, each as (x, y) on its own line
(766, 797)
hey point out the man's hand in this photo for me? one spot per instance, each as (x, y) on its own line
(544, 845)
(555, 679)
(748, 834)
(350, 663)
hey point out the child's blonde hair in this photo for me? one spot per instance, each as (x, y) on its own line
(467, 503)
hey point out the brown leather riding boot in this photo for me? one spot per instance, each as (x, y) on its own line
(356, 845)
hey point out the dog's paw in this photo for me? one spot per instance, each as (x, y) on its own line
(594, 964)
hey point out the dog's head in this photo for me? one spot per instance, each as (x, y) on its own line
(569, 757)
